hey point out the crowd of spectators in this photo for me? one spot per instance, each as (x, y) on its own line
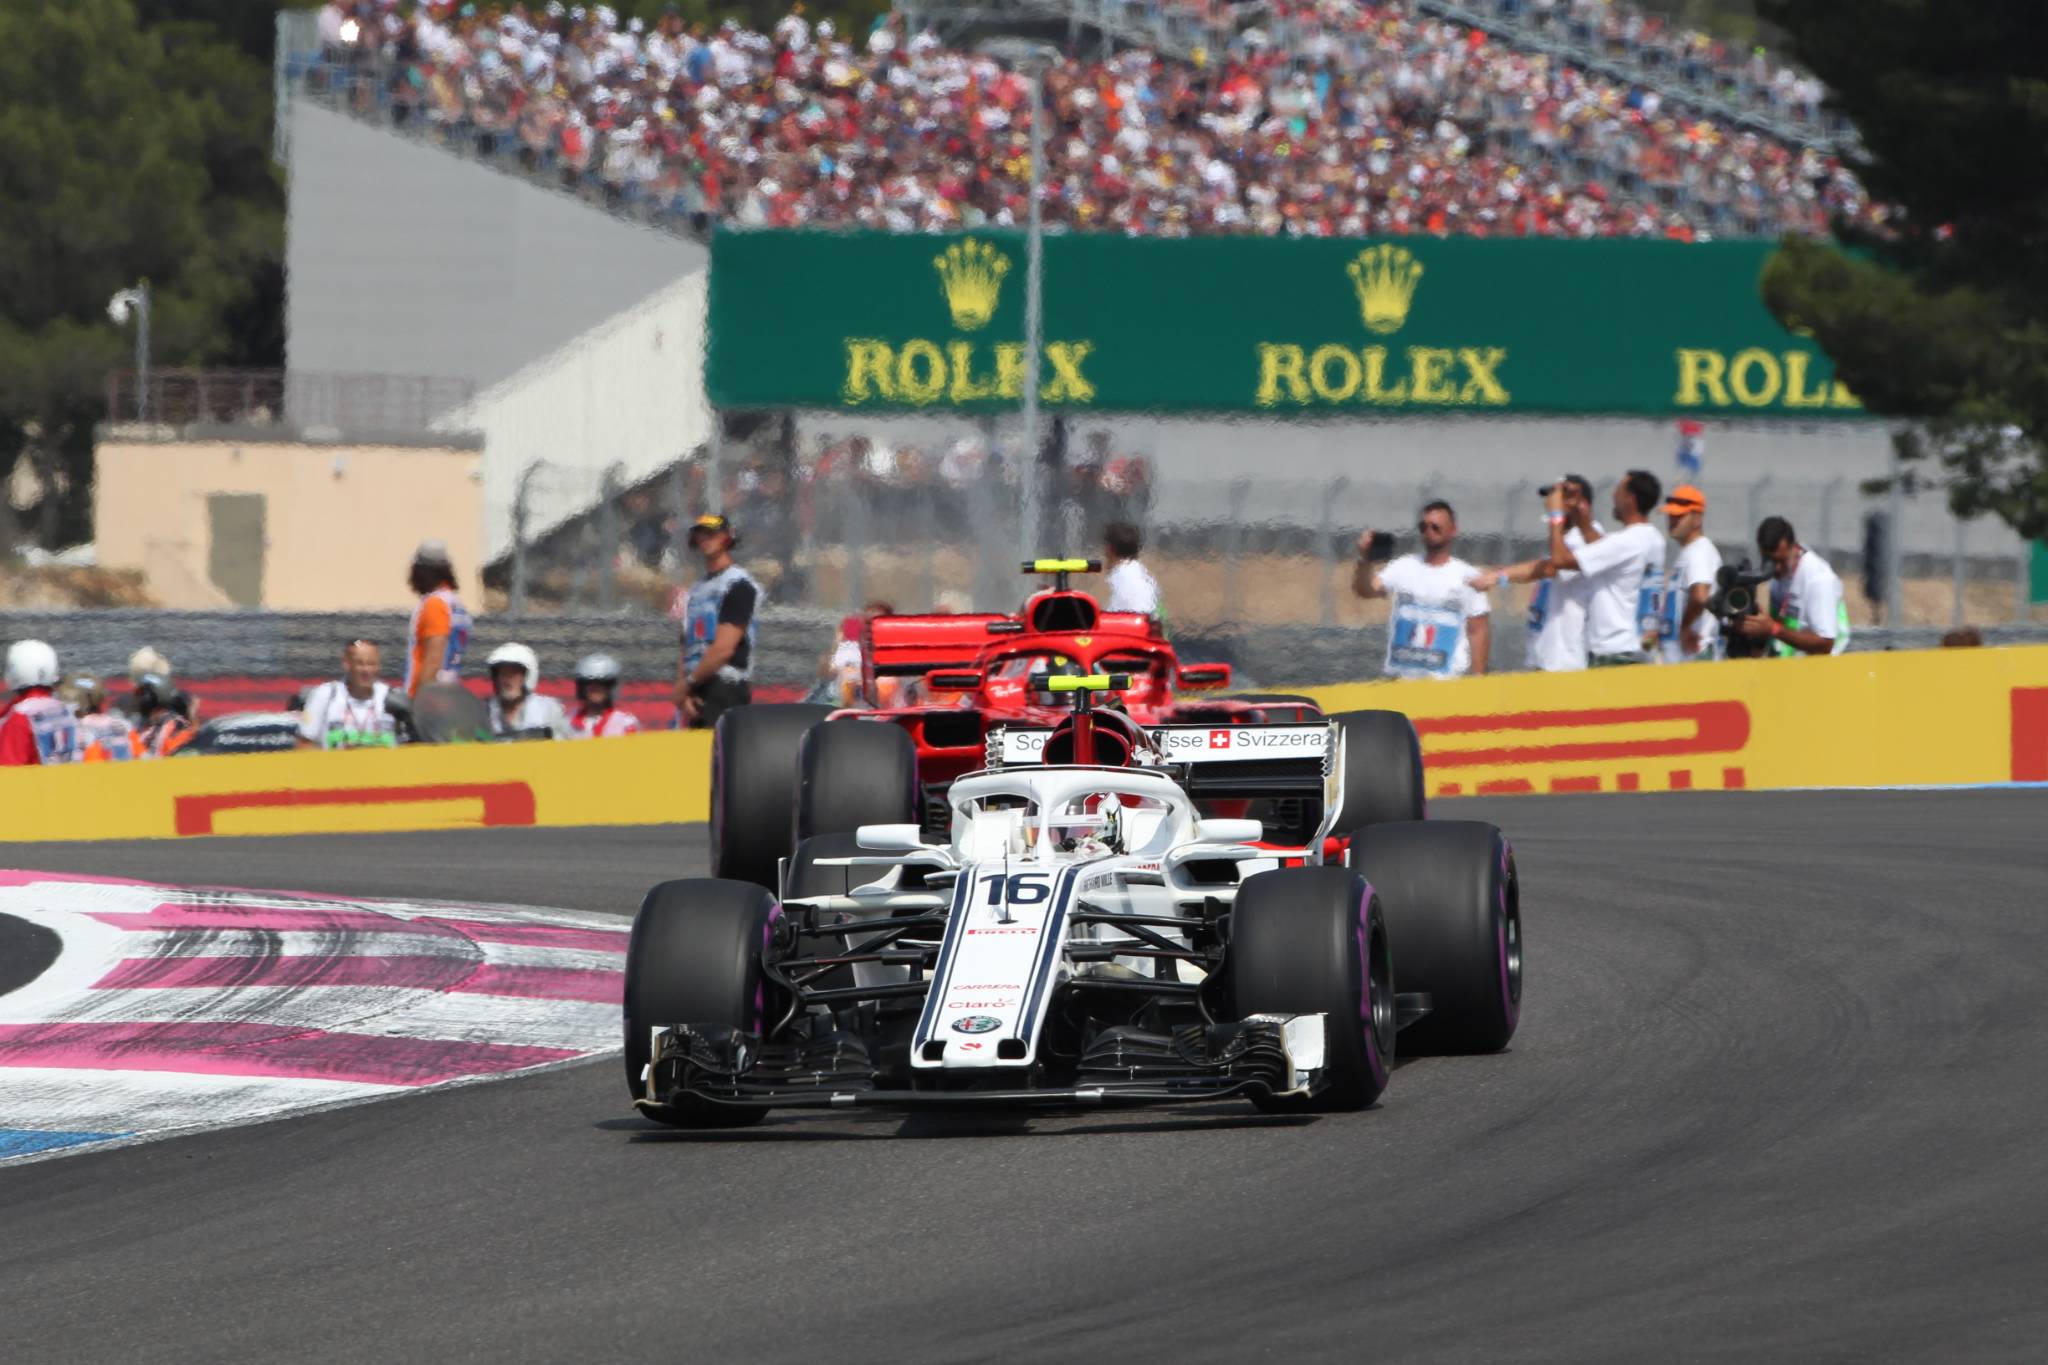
(1371, 118)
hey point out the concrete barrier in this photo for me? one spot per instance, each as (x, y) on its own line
(1964, 717)
(1921, 718)
(638, 780)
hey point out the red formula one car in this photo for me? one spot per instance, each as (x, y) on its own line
(937, 686)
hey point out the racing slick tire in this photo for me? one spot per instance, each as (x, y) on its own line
(852, 773)
(695, 958)
(1312, 940)
(753, 787)
(1452, 902)
(1382, 769)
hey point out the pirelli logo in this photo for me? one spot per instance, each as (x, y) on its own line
(1670, 747)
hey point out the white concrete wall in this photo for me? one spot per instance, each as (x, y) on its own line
(630, 392)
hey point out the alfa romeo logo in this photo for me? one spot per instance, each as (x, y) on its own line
(977, 1023)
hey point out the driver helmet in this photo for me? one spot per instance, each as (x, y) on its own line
(600, 670)
(515, 656)
(1059, 666)
(30, 663)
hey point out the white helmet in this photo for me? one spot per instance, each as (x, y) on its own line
(521, 656)
(597, 668)
(30, 663)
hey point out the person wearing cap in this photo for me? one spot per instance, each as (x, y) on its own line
(1616, 568)
(1557, 608)
(597, 714)
(718, 629)
(440, 623)
(1685, 628)
(37, 728)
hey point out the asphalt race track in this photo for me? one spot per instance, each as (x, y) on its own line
(1779, 1092)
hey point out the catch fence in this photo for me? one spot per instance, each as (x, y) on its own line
(934, 516)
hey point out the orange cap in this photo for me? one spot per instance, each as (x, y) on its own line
(1685, 498)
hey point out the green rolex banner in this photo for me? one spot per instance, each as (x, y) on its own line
(1257, 326)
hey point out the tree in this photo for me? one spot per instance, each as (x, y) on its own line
(126, 153)
(1942, 319)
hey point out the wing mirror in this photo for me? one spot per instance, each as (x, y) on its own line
(955, 679)
(896, 838)
(1229, 831)
(1202, 677)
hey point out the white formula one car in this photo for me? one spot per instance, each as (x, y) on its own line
(1089, 936)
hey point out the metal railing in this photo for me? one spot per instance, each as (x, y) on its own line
(1656, 63)
(391, 403)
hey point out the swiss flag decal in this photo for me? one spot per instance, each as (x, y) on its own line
(1219, 739)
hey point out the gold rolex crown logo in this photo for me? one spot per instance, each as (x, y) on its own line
(1385, 277)
(971, 274)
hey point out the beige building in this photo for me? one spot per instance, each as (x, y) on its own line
(289, 524)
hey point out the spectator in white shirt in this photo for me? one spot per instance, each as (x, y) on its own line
(1131, 585)
(1809, 613)
(1616, 567)
(350, 712)
(1439, 626)
(1557, 608)
(1685, 628)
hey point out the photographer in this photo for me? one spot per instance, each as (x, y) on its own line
(1614, 566)
(1438, 627)
(1809, 613)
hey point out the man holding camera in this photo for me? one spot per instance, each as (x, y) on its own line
(1686, 630)
(1613, 567)
(1438, 627)
(1809, 613)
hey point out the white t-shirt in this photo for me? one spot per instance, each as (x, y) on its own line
(1697, 563)
(1813, 598)
(539, 717)
(1615, 567)
(332, 719)
(1427, 631)
(1133, 588)
(1557, 615)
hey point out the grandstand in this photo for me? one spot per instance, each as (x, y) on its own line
(1577, 118)
(1337, 118)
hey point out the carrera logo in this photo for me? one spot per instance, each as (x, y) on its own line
(1019, 929)
(994, 990)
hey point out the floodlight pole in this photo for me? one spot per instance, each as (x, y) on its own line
(135, 302)
(1034, 315)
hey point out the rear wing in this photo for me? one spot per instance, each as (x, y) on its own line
(1216, 761)
(899, 646)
